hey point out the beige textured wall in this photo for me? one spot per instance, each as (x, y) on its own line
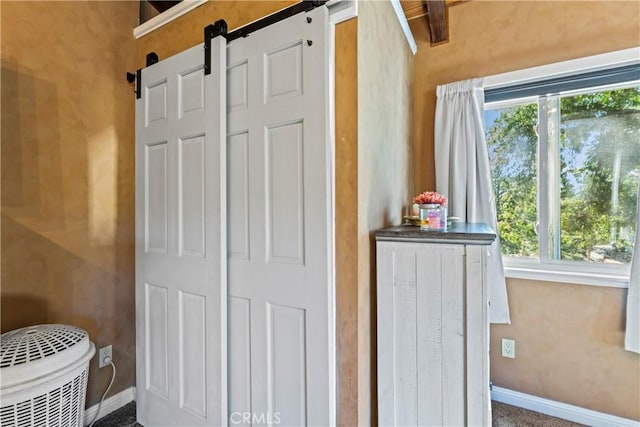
(385, 72)
(346, 217)
(569, 338)
(67, 135)
(569, 347)
(187, 30)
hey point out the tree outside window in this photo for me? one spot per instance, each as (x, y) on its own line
(578, 152)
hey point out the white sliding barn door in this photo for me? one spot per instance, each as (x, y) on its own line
(181, 241)
(281, 350)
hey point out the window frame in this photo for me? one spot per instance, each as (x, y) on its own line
(543, 268)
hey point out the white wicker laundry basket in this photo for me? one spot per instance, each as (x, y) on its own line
(43, 376)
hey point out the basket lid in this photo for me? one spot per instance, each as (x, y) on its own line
(42, 350)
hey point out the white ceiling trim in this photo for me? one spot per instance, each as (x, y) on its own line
(166, 16)
(402, 18)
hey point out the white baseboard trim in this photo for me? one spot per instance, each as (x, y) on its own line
(110, 404)
(559, 409)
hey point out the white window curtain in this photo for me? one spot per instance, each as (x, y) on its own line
(632, 333)
(463, 174)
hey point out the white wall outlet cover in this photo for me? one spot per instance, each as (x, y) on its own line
(103, 354)
(508, 348)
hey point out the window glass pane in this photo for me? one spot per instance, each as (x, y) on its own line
(512, 142)
(599, 161)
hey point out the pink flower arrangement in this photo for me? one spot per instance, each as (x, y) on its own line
(430, 198)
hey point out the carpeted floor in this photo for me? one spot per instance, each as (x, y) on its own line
(503, 416)
(125, 417)
(511, 416)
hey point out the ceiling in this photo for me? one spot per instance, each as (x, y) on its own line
(163, 5)
(414, 9)
(435, 13)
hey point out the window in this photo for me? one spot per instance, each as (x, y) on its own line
(565, 164)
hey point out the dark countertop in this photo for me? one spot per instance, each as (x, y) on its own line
(458, 232)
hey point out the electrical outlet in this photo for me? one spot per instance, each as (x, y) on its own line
(103, 354)
(508, 348)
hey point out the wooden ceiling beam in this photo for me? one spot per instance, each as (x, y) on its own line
(414, 9)
(436, 13)
(437, 20)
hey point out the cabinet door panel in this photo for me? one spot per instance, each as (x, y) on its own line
(431, 323)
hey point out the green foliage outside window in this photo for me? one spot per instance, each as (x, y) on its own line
(599, 150)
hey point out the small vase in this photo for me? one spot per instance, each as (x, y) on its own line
(433, 217)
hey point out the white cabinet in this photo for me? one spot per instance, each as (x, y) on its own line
(433, 326)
